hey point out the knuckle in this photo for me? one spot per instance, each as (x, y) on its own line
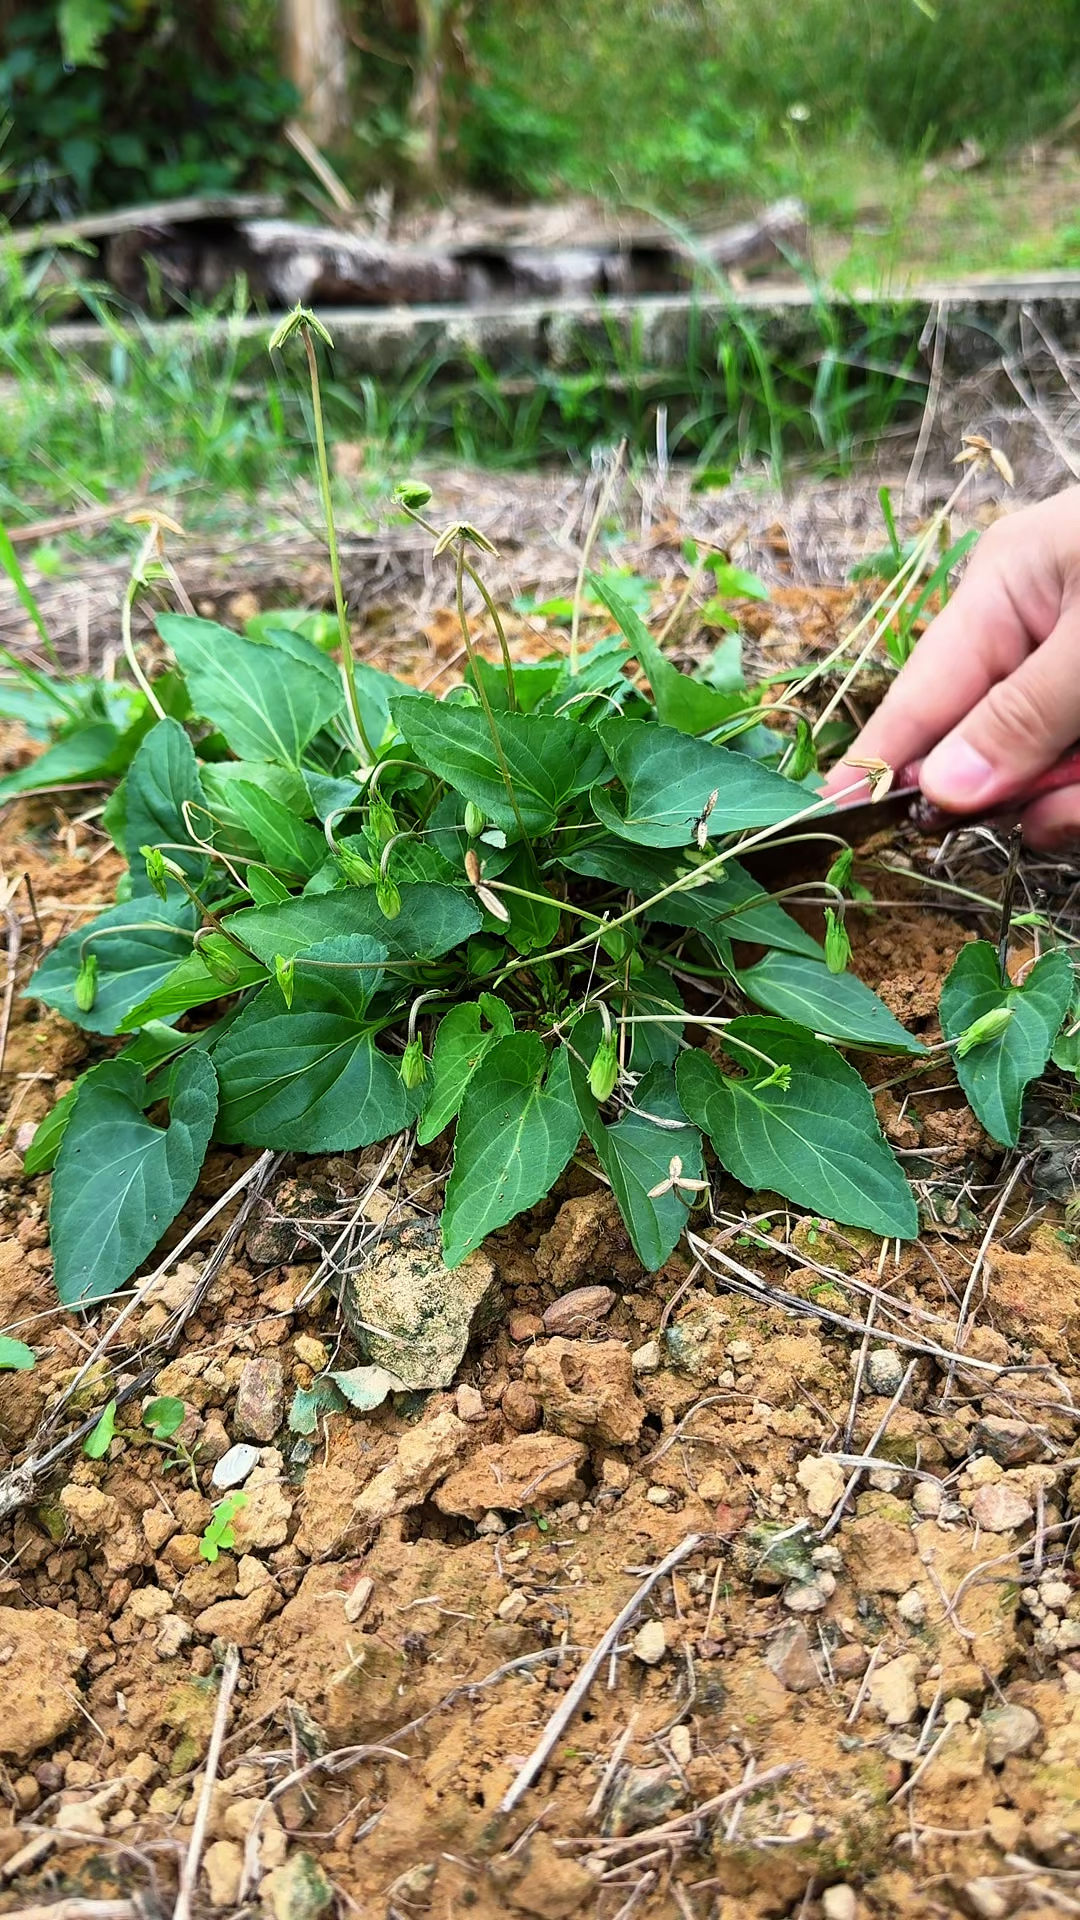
(1019, 710)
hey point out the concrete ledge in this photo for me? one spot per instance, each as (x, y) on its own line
(663, 332)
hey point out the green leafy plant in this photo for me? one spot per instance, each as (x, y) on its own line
(164, 1416)
(99, 1439)
(1003, 1035)
(519, 913)
(218, 1535)
(15, 1355)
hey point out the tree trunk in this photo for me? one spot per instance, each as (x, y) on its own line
(316, 61)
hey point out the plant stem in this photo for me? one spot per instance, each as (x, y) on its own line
(483, 697)
(496, 617)
(597, 521)
(688, 881)
(348, 666)
(135, 581)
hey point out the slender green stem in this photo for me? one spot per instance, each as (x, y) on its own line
(546, 900)
(687, 881)
(504, 645)
(482, 695)
(348, 666)
(135, 581)
(496, 617)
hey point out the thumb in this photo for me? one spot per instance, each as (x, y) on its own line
(1020, 727)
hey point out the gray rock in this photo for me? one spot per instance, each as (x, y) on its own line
(233, 1467)
(810, 1596)
(770, 1554)
(1010, 1442)
(644, 1797)
(577, 1311)
(260, 1398)
(1008, 1730)
(409, 1313)
(788, 1656)
(884, 1370)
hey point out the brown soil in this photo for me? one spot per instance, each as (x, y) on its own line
(413, 1592)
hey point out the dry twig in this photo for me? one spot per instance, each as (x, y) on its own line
(573, 1698)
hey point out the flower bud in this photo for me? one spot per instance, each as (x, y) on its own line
(382, 825)
(156, 870)
(474, 819)
(85, 989)
(840, 872)
(388, 895)
(804, 757)
(413, 1065)
(837, 944)
(219, 957)
(604, 1070)
(285, 975)
(358, 871)
(987, 1027)
(412, 493)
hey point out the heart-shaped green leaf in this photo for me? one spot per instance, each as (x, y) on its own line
(137, 945)
(995, 1073)
(268, 702)
(460, 1045)
(836, 1004)
(119, 1181)
(517, 1128)
(310, 1077)
(639, 1153)
(432, 919)
(801, 1123)
(548, 760)
(670, 781)
(163, 776)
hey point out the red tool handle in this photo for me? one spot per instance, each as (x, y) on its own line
(1064, 773)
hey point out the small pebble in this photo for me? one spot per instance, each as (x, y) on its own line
(828, 1558)
(839, 1903)
(233, 1467)
(884, 1372)
(358, 1598)
(1009, 1730)
(740, 1351)
(650, 1642)
(491, 1525)
(470, 1404)
(809, 1596)
(660, 1496)
(1055, 1594)
(682, 1744)
(646, 1359)
(576, 1311)
(926, 1498)
(512, 1606)
(912, 1607)
(999, 1507)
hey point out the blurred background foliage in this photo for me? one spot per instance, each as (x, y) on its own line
(668, 102)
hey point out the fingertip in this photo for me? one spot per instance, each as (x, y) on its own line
(847, 780)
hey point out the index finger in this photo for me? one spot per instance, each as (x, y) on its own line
(979, 638)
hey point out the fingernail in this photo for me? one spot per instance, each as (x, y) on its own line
(957, 775)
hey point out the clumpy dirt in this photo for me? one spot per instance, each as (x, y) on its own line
(855, 1694)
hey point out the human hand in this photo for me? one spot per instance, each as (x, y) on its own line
(991, 694)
